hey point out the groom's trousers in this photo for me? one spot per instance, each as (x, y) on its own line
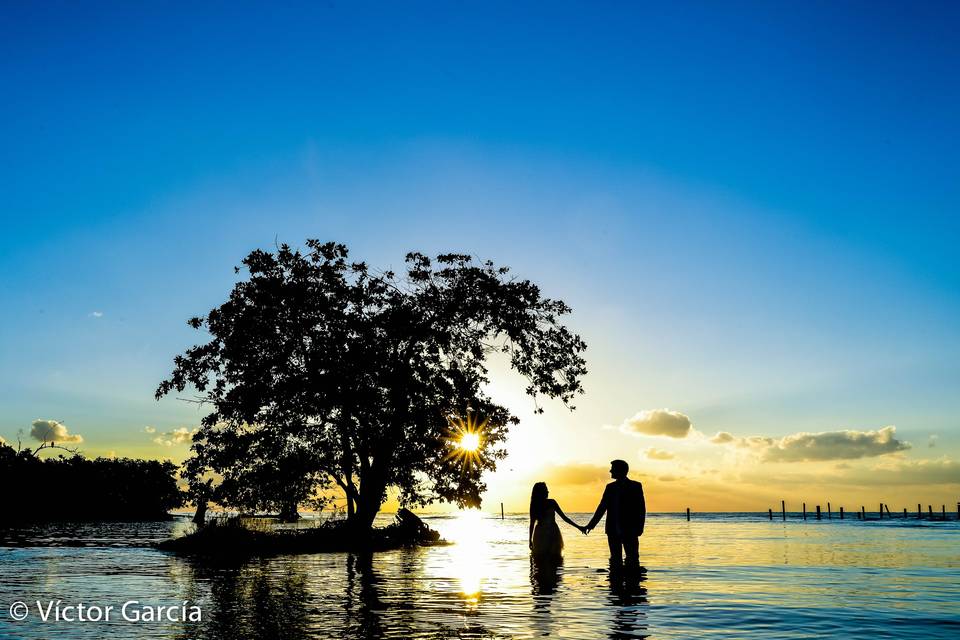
(630, 547)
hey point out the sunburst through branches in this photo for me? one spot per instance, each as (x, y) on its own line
(466, 439)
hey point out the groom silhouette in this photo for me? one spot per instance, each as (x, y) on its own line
(626, 512)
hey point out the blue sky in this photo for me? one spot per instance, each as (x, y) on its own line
(752, 206)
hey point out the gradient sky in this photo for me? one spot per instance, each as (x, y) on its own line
(752, 208)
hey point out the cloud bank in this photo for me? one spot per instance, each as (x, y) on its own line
(53, 431)
(826, 445)
(658, 454)
(658, 422)
(893, 473)
(919, 472)
(180, 435)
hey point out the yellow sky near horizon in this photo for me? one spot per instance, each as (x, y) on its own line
(705, 475)
(683, 460)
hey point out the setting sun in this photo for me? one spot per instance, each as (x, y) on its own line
(466, 439)
(469, 442)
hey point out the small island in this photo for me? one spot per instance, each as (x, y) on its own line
(238, 537)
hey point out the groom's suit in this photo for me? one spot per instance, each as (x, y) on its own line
(626, 510)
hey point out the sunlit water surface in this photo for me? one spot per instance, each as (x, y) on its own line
(719, 576)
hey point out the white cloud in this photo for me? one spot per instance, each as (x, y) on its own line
(180, 435)
(149, 429)
(658, 454)
(658, 422)
(827, 445)
(53, 431)
(96, 314)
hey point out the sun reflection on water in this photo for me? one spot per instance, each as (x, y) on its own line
(470, 560)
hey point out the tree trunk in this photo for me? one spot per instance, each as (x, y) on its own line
(346, 467)
(200, 497)
(363, 517)
(200, 517)
(368, 505)
(288, 512)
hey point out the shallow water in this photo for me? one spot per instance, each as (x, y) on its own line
(719, 576)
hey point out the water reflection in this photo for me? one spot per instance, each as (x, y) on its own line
(628, 598)
(485, 586)
(469, 557)
(545, 576)
(362, 598)
(254, 600)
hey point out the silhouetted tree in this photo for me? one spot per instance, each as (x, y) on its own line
(320, 370)
(77, 488)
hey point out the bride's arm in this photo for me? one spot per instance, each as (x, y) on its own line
(530, 535)
(565, 518)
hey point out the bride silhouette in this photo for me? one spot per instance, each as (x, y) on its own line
(546, 543)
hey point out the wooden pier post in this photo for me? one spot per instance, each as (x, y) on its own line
(804, 510)
(783, 509)
(829, 512)
(919, 512)
(904, 513)
(841, 513)
(818, 512)
(881, 511)
(770, 513)
(863, 510)
(930, 509)
(944, 508)
(501, 511)
(688, 514)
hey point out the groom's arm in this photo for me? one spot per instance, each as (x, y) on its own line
(601, 509)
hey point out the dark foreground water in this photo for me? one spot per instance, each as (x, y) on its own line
(719, 576)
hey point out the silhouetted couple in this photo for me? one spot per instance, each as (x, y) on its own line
(622, 502)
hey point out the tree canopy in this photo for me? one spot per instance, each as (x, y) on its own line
(78, 488)
(321, 371)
